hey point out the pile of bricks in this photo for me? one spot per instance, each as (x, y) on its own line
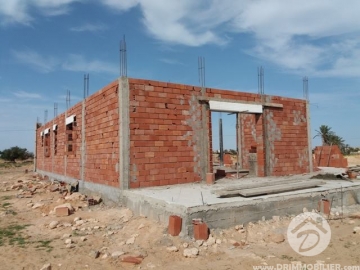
(329, 156)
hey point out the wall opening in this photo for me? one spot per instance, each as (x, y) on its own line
(229, 160)
(70, 136)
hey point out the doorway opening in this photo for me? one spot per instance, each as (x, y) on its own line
(225, 145)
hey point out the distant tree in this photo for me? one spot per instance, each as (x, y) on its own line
(15, 153)
(328, 137)
(325, 133)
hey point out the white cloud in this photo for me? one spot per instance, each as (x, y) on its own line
(79, 63)
(72, 62)
(171, 61)
(27, 95)
(14, 11)
(316, 38)
(121, 5)
(18, 11)
(89, 27)
(36, 61)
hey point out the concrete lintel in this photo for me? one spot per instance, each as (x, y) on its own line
(266, 104)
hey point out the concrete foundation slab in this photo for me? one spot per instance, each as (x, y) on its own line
(198, 201)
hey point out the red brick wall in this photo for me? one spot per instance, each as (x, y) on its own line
(102, 141)
(165, 135)
(164, 145)
(286, 132)
(102, 136)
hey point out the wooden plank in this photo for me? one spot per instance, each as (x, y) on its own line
(279, 188)
(257, 184)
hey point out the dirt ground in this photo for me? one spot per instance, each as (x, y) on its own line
(353, 160)
(27, 241)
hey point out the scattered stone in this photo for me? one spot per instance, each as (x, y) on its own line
(96, 227)
(53, 224)
(117, 254)
(191, 252)
(305, 210)
(66, 224)
(104, 256)
(211, 241)
(76, 196)
(54, 188)
(172, 249)
(199, 243)
(218, 241)
(30, 204)
(130, 241)
(37, 205)
(276, 218)
(356, 230)
(83, 238)
(77, 218)
(239, 227)
(68, 241)
(70, 246)
(337, 214)
(97, 199)
(66, 235)
(263, 218)
(276, 238)
(185, 245)
(125, 214)
(79, 222)
(141, 226)
(94, 254)
(150, 265)
(351, 222)
(46, 266)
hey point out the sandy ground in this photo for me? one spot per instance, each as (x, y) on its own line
(27, 242)
(353, 160)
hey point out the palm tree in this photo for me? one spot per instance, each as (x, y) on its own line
(325, 133)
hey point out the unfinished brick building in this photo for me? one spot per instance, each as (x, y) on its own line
(138, 133)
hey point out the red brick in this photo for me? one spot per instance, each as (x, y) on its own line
(62, 211)
(201, 231)
(175, 224)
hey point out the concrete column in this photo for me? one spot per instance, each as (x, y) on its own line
(124, 133)
(204, 147)
(311, 168)
(266, 144)
(238, 141)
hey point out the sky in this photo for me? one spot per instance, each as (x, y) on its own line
(46, 47)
